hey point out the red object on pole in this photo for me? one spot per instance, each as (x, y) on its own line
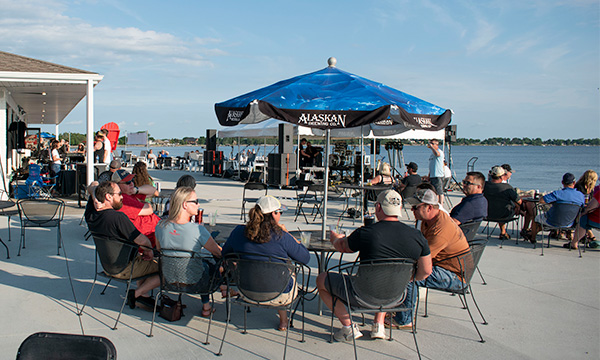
(113, 134)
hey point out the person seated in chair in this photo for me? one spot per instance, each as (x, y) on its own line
(567, 195)
(178, 232)
(112, 168)
(264, 235)
(445, 240)
(502, 199)
(139, 212)
(151, 159)
(103, 218)
(408, 184)
(474, 206)
(590, 219)
(387, 238)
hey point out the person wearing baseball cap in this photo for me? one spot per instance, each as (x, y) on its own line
(112, 167)
(408, 185)
(445, 240)
(140, 213)
(503, 200)
(385, 239)
(508, 171)
(264, 235)
(556, 216)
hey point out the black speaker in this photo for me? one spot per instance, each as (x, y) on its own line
(286, 138)
(282, 167)
(451, 133)
(377, 149)
(211, 139)
(213, 162)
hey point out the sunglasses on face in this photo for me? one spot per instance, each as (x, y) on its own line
(415, 207)
(128, 182)
(119, 193)
(195, 201)
(467, 183)
(277, 212)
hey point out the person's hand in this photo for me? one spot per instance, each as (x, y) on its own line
(147, 254)
(98, 205)
(333, 236)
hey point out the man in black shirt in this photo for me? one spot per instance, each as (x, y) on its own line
(408, 184)
(103, 218)
(385, 239)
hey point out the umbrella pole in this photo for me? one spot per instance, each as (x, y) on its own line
(328, 134)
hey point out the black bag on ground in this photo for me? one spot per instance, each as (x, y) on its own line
(170, 309)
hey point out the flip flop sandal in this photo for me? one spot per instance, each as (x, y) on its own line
(207, 313)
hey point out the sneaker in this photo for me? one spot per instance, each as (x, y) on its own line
(345, 333)
(377, 331)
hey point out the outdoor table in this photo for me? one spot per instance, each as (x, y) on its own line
(5, 204)
(323, 250)
(220, 232)
(67, 182)
(349, 188)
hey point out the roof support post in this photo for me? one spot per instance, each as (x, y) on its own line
(90, 132)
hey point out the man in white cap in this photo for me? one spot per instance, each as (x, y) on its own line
(502, 199)
(445, 240)
(385, 239)
(112, 168)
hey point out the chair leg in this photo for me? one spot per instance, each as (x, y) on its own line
(22, 240)
(124, 302)
(212, 305)
(245, 319)
(426, 298)
(58, 236)
(226, 322)
(154, 312)
(287, 332)
(477, 307)
(481, 276)
(105, 286)
(8, 252)
(471, 316)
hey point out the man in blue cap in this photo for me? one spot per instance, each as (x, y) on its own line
(568, 194)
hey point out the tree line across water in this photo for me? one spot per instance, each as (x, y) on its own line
(76, 138)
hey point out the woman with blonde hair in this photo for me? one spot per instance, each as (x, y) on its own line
(385, 175)
(142, 178)
(177, 231)
(585, 185)
(264, 235)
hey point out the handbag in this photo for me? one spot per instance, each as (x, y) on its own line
(170, 309)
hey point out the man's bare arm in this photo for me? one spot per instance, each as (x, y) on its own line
(340, 242)
(424, 267)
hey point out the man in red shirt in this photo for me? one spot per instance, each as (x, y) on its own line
(140, 213)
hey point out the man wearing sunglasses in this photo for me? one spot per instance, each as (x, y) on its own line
(140, 213)
(445, 240)
(473, 206)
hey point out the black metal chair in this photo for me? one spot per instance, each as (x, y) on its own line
(260, 279)
(470, 230)
(514, 220)
(56, 346)
(467, 264)
(380, 284)
(565, 215)
(115, 257)
(309, 193)
(46, 213)
(252, 186)
(186, 272)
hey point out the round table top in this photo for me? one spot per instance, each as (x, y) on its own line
(365, 187)
(5, 204)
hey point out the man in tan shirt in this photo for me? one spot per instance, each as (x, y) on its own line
(445, 240)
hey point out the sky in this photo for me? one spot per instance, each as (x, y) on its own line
(506, 68)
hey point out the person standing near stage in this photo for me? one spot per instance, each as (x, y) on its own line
(436, 168)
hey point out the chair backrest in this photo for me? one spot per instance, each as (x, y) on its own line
(55, 346)
(470, 229)
(114, 255)
(381, 283)
(470, 260)
(185, 271)
(301, 184)
(562, 214)
(255, 186)
(35, 175)
(41, 211)
(259, 278)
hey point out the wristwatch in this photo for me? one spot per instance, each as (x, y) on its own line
(137, 190)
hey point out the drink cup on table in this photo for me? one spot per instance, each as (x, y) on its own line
(199, 216)
(305, 238)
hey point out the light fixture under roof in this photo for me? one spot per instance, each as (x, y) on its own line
(43, 93)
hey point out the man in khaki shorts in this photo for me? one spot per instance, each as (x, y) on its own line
(103, 219)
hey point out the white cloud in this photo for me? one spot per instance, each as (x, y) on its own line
(484, 35)
(28, 26)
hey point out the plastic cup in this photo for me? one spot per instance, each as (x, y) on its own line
(305, 238)
(199, 216)
(213, 219)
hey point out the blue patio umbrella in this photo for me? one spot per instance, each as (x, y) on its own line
(333, 99)
(46, 135)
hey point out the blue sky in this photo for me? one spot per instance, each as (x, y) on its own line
(506, 68)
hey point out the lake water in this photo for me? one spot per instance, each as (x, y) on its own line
(535, 167)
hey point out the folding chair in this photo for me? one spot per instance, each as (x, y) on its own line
(186, 272)
(115, 256)
(56, 346)
(380, 285)
(564, 215)
(251, 186)
(313, 195)
(261, 279)
(45, 213)
(467, 265)
(513, 219)
(39, 186)
(470, 230)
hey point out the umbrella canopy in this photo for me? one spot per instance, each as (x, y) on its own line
(333, 99)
